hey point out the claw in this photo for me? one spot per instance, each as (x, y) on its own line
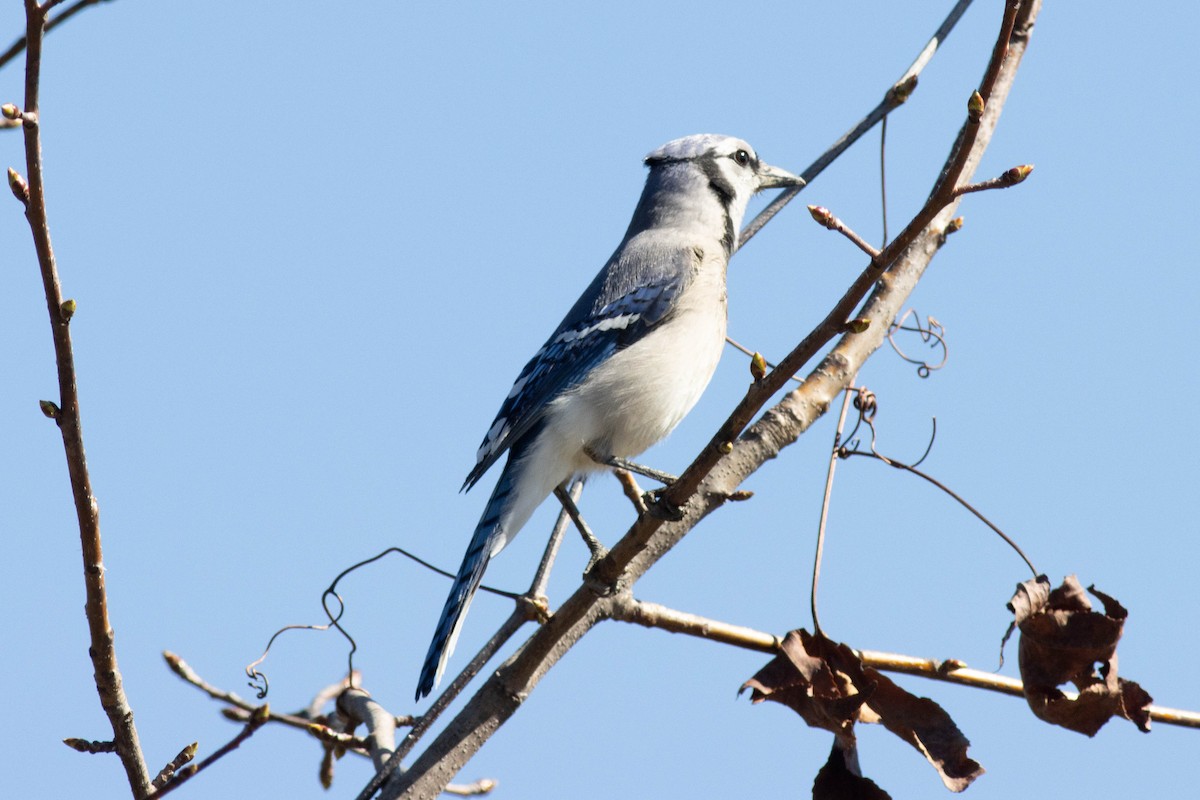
(598, 555)
(657, 505)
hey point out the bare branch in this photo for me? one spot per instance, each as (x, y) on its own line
(257, 720)
(189, 675)
(825, 218)
(183, 758)
(17, 47)
(102, 648)
(510, 626)
(362, 709)
(541, 578)
(1010, 177)
(697, 492)
(653, 615)
(90, 746)
(892, 99)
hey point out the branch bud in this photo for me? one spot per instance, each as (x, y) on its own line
(20, 188)
(68, 309)
(1017, 174)
(188, 753)
(758, 366)
(173, 661)
(822, 215)
(954, 225)
(49, 408)
(975, 107)
(10, 111)
(260, 715)
(726, 448)
(859, 325)
(903, 90)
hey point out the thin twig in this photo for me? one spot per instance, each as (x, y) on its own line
(473, 789)
(1010, 177)
(17, 47)
(102, 649)
(541, 578)
(893, 98)
(824, 217)
(189, 675)
(183, 758)
(978, 515)
(833, 459)
(259, 678)
(257, 720)
(883, 177)
(460, 682)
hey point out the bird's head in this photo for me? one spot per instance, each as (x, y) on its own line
(700, 169)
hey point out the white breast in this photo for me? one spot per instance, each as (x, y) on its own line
(640, 394)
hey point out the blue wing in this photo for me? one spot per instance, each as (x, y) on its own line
(575, 349)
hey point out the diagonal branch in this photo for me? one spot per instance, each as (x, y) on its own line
(728, 459)
(102, 649)
(892, 99)
(17, 47)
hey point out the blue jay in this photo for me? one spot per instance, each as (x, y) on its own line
(628, 361)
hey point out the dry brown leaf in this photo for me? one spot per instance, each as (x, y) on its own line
(926, 726)
(842, 779)
(804, 679)
(827, 684)
(1063, 639)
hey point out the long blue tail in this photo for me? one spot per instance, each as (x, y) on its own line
(475, 561)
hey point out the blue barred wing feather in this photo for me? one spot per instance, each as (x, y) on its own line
(575, 349)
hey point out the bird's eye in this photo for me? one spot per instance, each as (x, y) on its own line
(741, 157)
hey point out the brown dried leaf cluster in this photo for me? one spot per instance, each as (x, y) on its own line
(829, 686)
(1063, 639)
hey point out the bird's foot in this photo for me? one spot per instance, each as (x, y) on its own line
(657, 505)
(599, 553)
(585, 532)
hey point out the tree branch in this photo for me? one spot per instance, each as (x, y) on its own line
(652, 615)
(102, 649)
(17, 47)
(722, 464)
(892, 99)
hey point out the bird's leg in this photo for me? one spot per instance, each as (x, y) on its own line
(616, 462)
(593, 544)
(655, 502)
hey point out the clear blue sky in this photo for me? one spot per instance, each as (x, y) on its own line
(312, 245)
